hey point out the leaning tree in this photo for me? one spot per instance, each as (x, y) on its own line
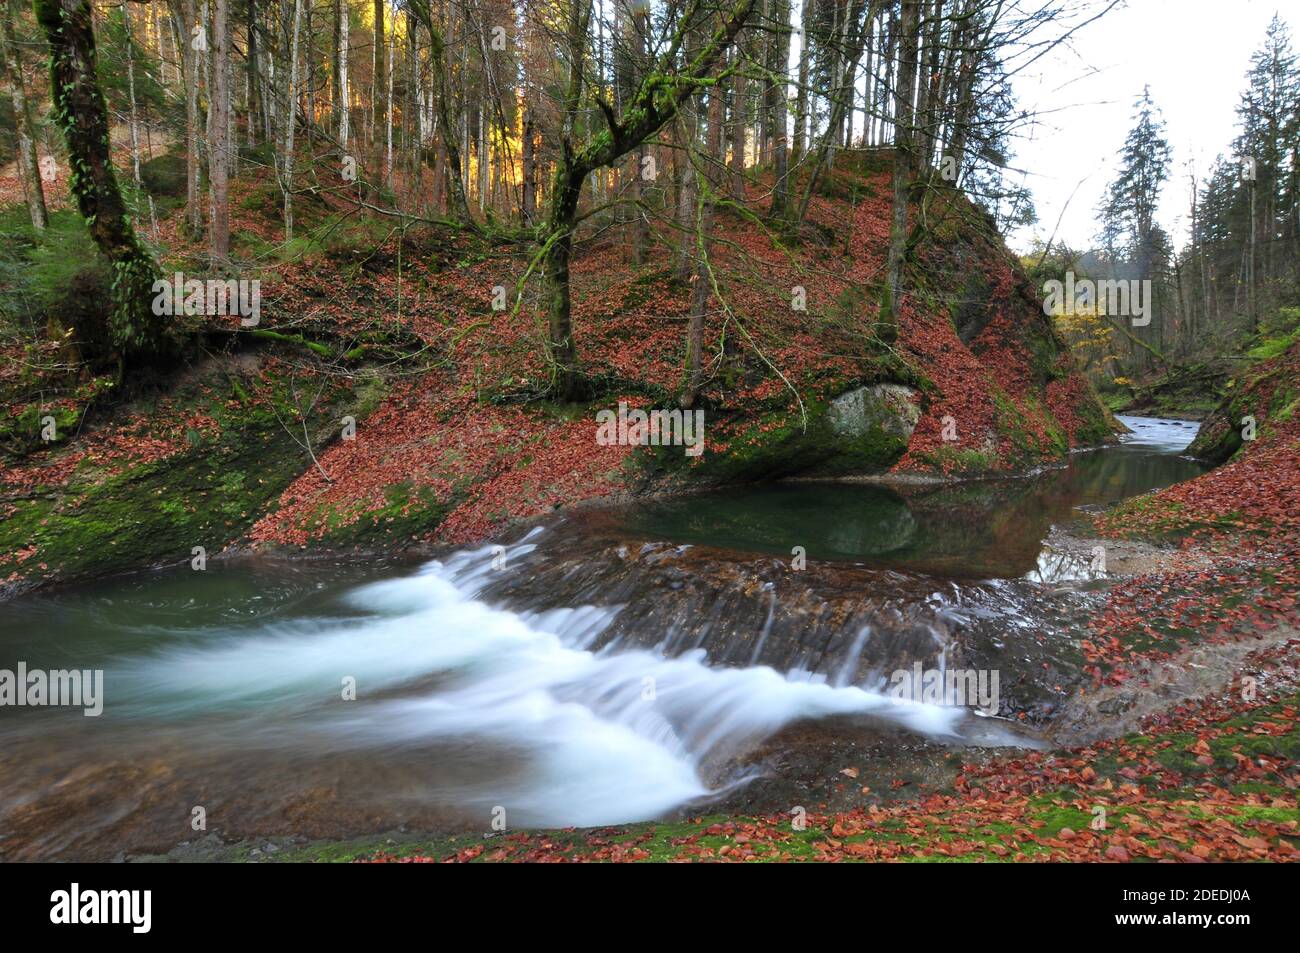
(135, 332)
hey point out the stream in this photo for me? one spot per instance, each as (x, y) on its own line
(609, 665)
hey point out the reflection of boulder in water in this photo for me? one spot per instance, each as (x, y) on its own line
(980, 529)
(879, 527)
(834, 522)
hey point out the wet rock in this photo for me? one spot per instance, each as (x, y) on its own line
(846, 623)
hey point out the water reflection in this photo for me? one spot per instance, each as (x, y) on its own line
(980, 529)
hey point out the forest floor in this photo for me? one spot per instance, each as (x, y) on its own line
(383, 403)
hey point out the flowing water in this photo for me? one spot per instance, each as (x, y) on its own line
(610, 666)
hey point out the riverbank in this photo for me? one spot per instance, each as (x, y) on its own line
(1194, 657)
(840, 769)
(383, 403)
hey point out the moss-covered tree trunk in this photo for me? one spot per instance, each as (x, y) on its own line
(555, 268)
(80, 112)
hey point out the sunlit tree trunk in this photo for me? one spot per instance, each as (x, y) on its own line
(343, 103)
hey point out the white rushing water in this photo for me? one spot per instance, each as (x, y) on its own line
(593, 737)
(1158, 433)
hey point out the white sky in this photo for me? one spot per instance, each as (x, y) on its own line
(1193, 53)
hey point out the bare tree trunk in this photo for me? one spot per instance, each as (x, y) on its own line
(801, 132)
(529, 199)
(388, 110)
(483, 158)
(133, 119)
(29, 170)
(689, 192)
(738, 112)
(711, 184)
(218, 137)
(903, 164)
(454, 178)
(344, 105)
(1252, 301)
(254, 81)
(854, 41)
(309, 66)
(971, 43)
(377, 87)
(883, 102)
(868, 77)
(775, 112)
(640, 22)
(291, 121)
(194, 45)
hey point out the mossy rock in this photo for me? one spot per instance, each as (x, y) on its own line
(164, 176)
(863, 431)
(881, 410)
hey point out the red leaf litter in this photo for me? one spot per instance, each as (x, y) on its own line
(494, 463)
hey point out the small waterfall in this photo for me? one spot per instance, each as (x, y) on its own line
(599, 736)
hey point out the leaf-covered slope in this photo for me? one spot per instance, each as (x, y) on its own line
(454, 435)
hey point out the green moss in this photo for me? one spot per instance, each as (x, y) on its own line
(316, 347)
(208, 493)
(164, 176)
(157, 513)
(959, 460)
(1272, 347)
(776, 444)
(406, 511)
